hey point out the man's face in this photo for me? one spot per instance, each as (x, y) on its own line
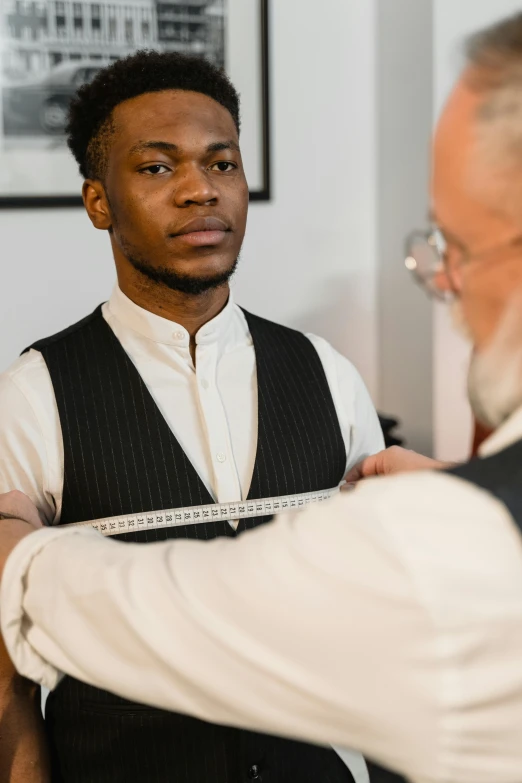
(478, 231)
(176, 189)
(483, 254)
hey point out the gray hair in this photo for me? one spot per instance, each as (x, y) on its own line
(494, 57)
(497, 49)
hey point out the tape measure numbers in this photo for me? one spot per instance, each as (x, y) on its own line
(198, 515)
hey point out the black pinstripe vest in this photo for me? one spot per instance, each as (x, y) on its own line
(121, 457)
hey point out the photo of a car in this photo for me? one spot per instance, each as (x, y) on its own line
(51, 48)
(40, 105)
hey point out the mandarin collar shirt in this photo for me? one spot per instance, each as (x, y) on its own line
(211, 407)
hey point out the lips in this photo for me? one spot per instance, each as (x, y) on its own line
(202, 232)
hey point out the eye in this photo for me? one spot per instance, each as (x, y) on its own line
(154, 169)
(223, 166)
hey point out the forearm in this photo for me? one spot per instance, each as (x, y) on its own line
(23, 751)
(251, 632)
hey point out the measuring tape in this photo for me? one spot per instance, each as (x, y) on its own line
(198, 515)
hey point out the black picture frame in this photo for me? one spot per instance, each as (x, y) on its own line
(264, 193)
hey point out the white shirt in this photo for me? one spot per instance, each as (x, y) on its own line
(389, 619)
(211, 408)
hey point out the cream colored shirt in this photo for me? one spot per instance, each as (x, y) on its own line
(218, 400)
(217, 397)
(389, 619)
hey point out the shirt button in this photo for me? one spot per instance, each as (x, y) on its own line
(204, 384)
(178, 335)
(221, 457)
(253, 772)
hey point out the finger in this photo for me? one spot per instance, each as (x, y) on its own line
(371, 466)
(354, 474)
(347, 486)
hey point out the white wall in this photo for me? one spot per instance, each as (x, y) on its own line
(452, 417)
(309, 257)
(351, 95)
(404, 122)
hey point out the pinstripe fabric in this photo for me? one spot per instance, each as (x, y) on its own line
(300, 444)
(121, 457)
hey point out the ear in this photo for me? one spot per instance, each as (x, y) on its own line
(97, 204)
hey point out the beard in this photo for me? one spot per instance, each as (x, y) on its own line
(495, 372)
(184, 283)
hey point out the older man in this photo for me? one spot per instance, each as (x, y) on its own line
(398, 627)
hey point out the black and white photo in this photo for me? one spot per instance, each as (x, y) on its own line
(49, 48)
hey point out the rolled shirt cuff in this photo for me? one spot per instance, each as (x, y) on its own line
(14, 622)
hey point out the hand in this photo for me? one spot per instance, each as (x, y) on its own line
(391, 461)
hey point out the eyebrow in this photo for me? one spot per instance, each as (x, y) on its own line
(223, 145)
(161, 146)
(167, 146)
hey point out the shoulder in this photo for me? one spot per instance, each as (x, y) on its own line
(353, 400)
(61, 336)
(334, 360)
(456, 545)
(457, 541)
(257, 322)
(24, 374)
(328, 355)
(30, 443)
(283, 341)
(26, 393)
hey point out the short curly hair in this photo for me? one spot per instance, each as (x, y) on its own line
(90, 122)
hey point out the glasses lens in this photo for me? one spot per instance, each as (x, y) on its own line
(425, 253)
(438, 242)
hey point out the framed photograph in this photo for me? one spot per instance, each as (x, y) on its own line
(48, 48)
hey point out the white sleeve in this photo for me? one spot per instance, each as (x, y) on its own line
(367, 622)
(356, 412)
(280, 631)
(30, 435)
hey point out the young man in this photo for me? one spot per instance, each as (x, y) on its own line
(170, 396)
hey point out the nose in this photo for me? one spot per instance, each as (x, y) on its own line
(194, 186)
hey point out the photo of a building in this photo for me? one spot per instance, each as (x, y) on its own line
(50, 47)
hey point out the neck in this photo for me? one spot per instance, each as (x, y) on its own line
(191, 311)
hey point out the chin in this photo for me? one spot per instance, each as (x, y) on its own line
(190, 279)
(200, 265)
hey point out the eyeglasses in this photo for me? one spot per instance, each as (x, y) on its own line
(426, 258)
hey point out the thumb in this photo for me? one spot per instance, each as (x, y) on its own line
(364, 469)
